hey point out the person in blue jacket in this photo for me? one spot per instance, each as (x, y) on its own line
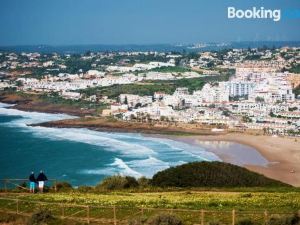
(32, 182)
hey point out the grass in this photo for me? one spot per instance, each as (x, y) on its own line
(148, 88)
(185, 204)
(57, 101)
(295, 68)
(282, 200)
(69, 102)
(172, 69)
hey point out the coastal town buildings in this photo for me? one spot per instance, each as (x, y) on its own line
(244, 89)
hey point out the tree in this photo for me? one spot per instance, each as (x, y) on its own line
(246, 119)
(19, 83)
(259, 99)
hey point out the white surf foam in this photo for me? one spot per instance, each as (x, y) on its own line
(4, 105)
(118, 167)
(144, 155)
(125, 169)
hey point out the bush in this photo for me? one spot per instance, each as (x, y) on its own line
(284, 220)
(164, 219)
(131, 182)
(85, 189)
(138, 221)
(117, 183)
(42, 217)
(245, 222)
(7, 218)
(143, 182)
(63, 186)
(214, 223)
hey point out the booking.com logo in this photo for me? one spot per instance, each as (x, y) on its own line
(262, 13)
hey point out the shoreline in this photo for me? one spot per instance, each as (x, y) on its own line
(33, 104)
(283, 153)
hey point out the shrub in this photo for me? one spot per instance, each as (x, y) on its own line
(138, 221)
(284, 220)
(214, 223)
(117, 183)
(7, 218)
(42, 217)
(164, 219)
(245, 222)
(131, 182)
(63, 186)
(143, 182)
(85, 189)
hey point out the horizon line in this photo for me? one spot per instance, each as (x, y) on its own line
(145, 44)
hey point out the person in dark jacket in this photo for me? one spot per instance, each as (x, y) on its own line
(41, 181)
(32, 182)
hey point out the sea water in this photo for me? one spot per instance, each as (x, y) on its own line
(82, 156)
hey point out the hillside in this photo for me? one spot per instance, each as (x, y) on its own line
(211, 174)
(186, 204)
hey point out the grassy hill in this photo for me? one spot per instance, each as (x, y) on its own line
(211, 174)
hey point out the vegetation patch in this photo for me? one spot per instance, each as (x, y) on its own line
(211, 174)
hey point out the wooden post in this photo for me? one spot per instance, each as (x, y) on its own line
(17, 205)
(88, 214)
(55, 186)
(266, 216)
(202, 217)
(142, 211)
(115, 215)
(233, 217)
(63, 211)
(5, 185)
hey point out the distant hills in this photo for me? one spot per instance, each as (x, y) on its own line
(73, 49)
(212, 174)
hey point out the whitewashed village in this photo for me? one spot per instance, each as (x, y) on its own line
(261, 92)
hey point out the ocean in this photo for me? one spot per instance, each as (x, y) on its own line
(81, 156)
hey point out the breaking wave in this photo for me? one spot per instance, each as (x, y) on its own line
(134, 154)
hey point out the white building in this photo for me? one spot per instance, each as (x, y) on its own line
(133, 100)
(240, 88)
(213, 93)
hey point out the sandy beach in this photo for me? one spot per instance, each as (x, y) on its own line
(283, 153)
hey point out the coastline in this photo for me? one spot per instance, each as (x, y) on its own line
(283, 153)
(33, 104)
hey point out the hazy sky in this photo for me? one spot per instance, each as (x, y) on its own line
(58, 22)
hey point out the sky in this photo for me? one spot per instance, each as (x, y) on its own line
(77, 22)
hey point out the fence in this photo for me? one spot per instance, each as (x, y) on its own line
(22, 184)
(122, 215)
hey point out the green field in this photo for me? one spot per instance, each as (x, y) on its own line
(188, 205)
(214, 200)
(148, 88)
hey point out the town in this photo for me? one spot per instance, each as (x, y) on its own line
(240, 89)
